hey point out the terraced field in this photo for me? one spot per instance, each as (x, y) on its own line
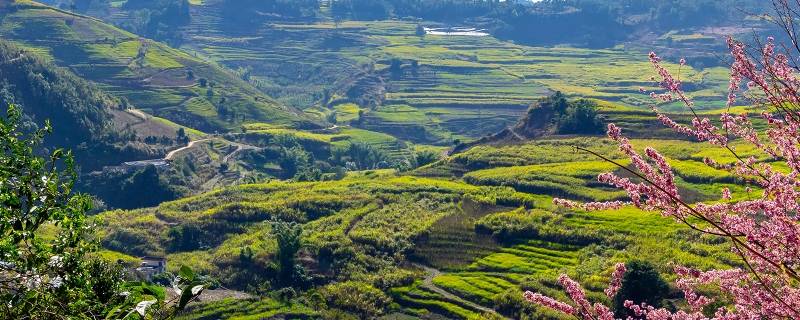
(531, 245)
(246, 310)
(428, 89)
(460, 238)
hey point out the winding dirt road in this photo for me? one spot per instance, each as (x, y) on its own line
(191, 144)
(14, 59)
(431, 273)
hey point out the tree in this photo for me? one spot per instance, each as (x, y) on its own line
(579, 117)
(426, 157)
(181, 136)
(396, 68)
(763, 227)
(54, 277)
(289, 239)
(641, 283)
(293, 160)
(364, 156)
(40, 276)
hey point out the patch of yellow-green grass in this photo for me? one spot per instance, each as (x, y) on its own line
(123, 51)
(400, 113)
(201, 262)
(346, 112)
(303, 135)
(201, 107)
(192, 133)
(160, 58)
(114, 256)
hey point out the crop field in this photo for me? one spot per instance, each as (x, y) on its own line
(459, 248)
(245, 310)
(460, 237)
(440, 88)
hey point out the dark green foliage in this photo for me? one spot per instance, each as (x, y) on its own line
(294, 160)
(362, 9)
(357, 297)
(596, 23)
(641, 284)
(396, 68)
(141, 188)
(559, 115)
(55, 277)
(45, 92)
(358, 156)
(185, 238)
(35, 191)
(427, 157)
(158, 19)
(288, 235)
(181, 136)
(580, 117)
(248, 13)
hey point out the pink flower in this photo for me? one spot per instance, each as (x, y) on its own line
(549, 302)
(616, 280)
(764, 228)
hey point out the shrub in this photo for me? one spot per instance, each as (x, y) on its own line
(357, 297)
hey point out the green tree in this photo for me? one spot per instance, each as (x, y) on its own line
(41, 276)
(641, 284)
(288, 235)
(293, 160)
(364, 156)
(54, 277)
(427, 157)
(580, 117)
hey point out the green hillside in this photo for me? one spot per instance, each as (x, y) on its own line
(153, 77)
(491, 234)
(98, 127)
(310, 162)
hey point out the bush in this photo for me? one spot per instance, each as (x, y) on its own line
(357, 297)
(641, 284)
(580, 117)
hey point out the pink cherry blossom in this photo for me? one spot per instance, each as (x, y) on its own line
(763, 227)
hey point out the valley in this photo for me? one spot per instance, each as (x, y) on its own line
(310, 162)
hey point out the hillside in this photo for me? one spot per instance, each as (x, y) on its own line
(151, 76)
(490, 234)
(377, 159)
(98, 127)
(426, 88)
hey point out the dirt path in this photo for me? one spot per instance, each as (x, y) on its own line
(516, 135)
(239, 148)
(13, 60)
(191, 144)
(431, 273)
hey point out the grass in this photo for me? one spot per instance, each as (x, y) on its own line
(245, 310)
(483, 217)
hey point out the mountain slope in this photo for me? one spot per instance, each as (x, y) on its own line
(95, 125)
(154, 77)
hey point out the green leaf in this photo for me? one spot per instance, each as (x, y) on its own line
(187, 295)
(186, 273)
